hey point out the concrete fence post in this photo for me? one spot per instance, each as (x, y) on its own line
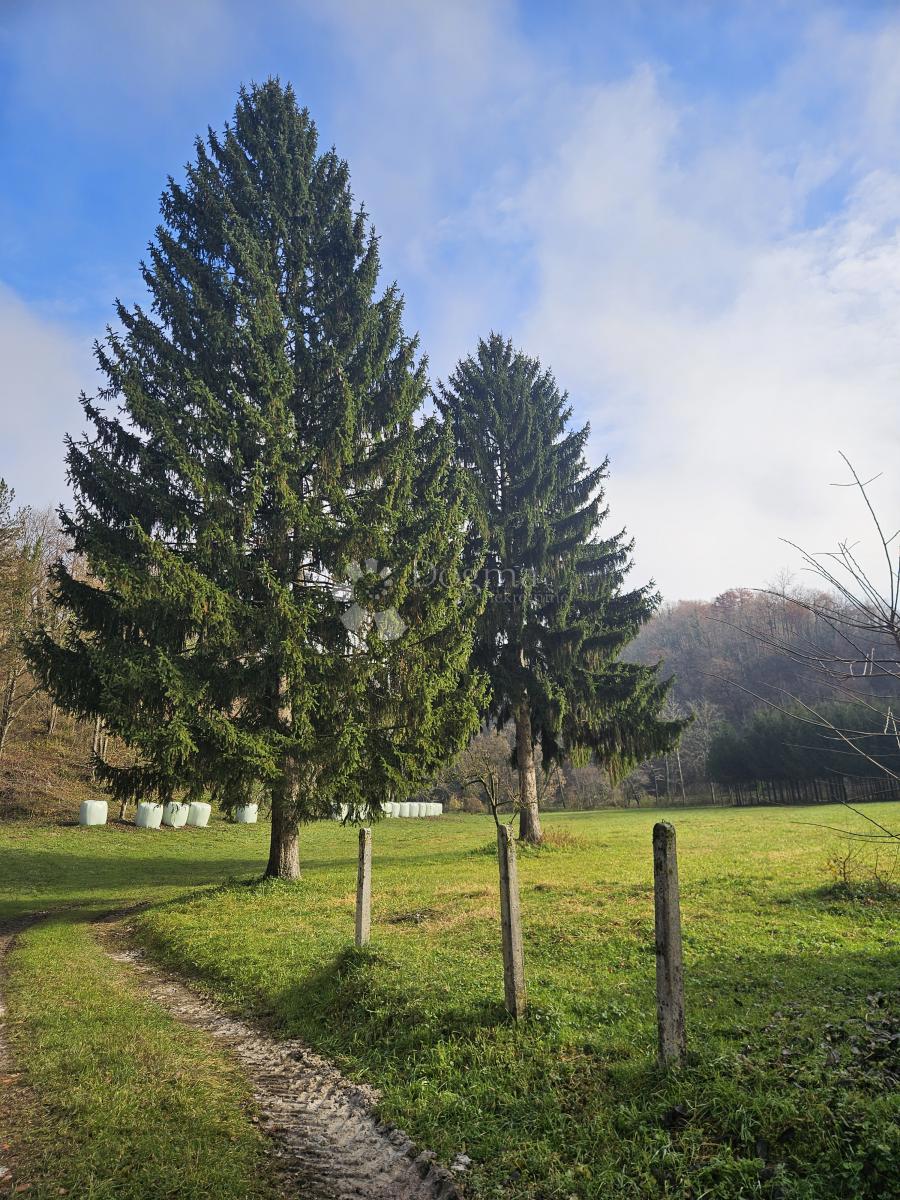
(511, 924)
(364, 888)
(669, 964)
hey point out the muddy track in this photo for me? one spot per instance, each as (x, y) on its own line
(9, 1078)
(328, 1144)
(7, 937)
(6, 1066)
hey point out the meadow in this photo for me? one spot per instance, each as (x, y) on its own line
(790, 1089)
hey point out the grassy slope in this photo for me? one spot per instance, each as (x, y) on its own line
(788, 992)
(122, 1103)
(43, 773)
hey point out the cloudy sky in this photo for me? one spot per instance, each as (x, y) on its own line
(689, 211)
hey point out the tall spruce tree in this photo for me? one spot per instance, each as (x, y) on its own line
(556, 618)
(254, 502)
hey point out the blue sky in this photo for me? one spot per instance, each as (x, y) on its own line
(689, 211)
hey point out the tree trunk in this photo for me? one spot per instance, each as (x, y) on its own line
(284, 841)
(95, 745)
(529, 818)
(123, 810)
(6, 709)
(680, 777)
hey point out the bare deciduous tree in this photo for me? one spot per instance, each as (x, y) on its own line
(485, 768)
(853, 637)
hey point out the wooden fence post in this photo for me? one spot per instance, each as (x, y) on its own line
(364, 888)
(511, 924)
(669, 965)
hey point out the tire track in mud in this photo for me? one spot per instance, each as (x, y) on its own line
(327, 1142)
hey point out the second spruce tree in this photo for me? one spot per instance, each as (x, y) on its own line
(557, 617)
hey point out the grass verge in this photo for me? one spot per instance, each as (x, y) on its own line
(792, 1010)
(792, 984)
(118, 1102)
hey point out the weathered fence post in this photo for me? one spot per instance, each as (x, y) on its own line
(669, 965)
(511, 924)
(364, 888)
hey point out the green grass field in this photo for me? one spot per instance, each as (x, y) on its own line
(122, 1103)
(792, 989)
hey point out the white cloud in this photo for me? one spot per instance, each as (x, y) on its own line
(717, 284)
(659, 256)
(44, 368)
(723, 353)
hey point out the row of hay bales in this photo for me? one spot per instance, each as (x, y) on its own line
(412, 808)
(151, 816)
(176, 814)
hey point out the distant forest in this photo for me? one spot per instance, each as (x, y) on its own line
(755, 670)
(761, 673)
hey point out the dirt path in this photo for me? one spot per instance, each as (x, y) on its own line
(6, 939)
(9, 1078)
(327, 1142)
(6, 1077)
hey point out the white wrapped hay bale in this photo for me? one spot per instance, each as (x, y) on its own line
(175, 814)
(149, 816)
(246, 814)
(93, 812)
(199, 814)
